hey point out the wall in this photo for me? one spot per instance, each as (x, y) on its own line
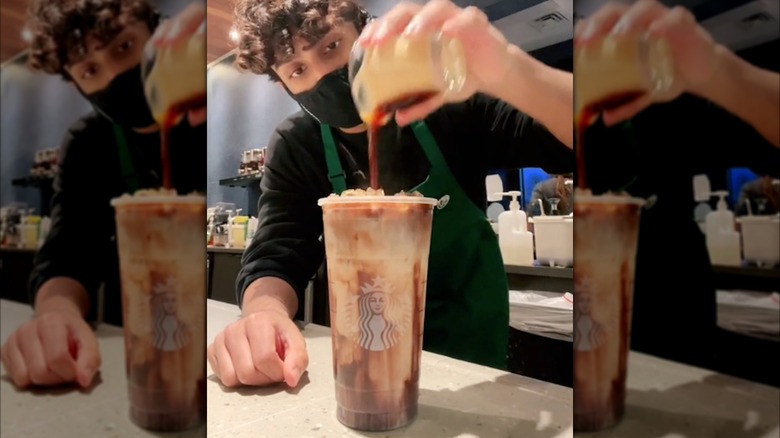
(35, 112)
(244, 109)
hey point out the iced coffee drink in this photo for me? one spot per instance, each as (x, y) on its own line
(377, 251)
(163, 275)
(606, 230)
(403, 71)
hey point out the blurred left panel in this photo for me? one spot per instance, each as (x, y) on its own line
(102, 218)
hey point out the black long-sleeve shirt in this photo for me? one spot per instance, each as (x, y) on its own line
(81, 243)
(474, 136)
(675, 305)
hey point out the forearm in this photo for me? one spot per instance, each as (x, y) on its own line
(62, 294)
(542, 92)
(270, 293)
(749, 92)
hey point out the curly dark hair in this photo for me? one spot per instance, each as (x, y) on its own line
(266, 28)
(59, 28)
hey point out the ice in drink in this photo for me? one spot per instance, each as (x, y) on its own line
(377, 251)
(606, 231)
(163, 275)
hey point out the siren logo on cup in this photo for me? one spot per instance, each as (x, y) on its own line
(377, 315)
(589, 334)
(170, 334)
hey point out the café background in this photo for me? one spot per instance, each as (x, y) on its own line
(37, 109)
(244, 108)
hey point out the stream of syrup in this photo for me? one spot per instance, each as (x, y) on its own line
(379, 118)
(585, 120)
(171, 117)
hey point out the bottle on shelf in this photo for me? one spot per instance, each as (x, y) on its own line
(514, 239)
(723, 240)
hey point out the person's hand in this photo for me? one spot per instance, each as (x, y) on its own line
(486, 49)
(176, 32)
(52, 349)
(260, 349)
(693, 50)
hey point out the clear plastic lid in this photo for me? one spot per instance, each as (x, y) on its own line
(377, 200)
(158, 199)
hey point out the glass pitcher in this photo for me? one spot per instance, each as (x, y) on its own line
(173, 71)
(617, 69)
(403, 71)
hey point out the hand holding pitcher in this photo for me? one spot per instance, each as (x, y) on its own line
(691, 56)
(466, 32)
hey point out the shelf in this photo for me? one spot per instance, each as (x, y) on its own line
(748, 271)
(540, 271)
(222, 249)
(33, 181)
(241, 181)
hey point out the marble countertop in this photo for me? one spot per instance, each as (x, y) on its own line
(102, 410)
(457, 399)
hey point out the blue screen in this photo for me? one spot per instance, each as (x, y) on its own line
(736, 178)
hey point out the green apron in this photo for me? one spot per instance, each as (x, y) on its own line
(125, 162)
(467, 305)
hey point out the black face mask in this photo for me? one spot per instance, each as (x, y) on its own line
(123, 100)
(330, 101)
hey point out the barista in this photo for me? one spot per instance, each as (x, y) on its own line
(726, 115)
(558, 187)
(97, 47)
(520, 111)
(760, 196)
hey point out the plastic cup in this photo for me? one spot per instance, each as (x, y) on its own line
(162, 262)
(377, 256)
(606, 231)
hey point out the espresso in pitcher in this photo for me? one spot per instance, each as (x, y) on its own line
(399, 73)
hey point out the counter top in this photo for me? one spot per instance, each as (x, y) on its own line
(99, 411)
(752, 271)
(540, 271)
(222, 249)
(18, 250)
(457, 399)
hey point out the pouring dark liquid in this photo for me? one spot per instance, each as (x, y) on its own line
(379, 118)
(171, 116)
(585, 120)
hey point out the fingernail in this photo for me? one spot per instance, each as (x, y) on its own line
(296, 372)
(620, 28)
(412, 28)
(380, 33)
(588, 31)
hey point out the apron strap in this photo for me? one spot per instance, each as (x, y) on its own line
(335, 172)
(125, 162)
(431, 148)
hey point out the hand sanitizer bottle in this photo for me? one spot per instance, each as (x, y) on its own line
(514, 239)
(722, 238)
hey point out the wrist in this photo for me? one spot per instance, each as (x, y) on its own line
(61, 294)
(518, 66)
(57, 304)
(724, 71)
(270, 294)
